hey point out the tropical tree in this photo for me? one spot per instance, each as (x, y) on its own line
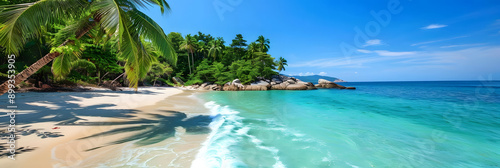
(237, 44)
(119, 18)
(263, 43)
(216, 47)
(252, 48)
(281, 64)
(158, 70)
(189, 44)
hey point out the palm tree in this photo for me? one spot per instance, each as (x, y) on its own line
(189, 45)
(252, 48)
(263, 43)
(118, 18)
(281, 64)
(216, 47)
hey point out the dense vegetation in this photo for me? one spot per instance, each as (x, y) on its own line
(92, 47)
(201, 58)
(204, 58)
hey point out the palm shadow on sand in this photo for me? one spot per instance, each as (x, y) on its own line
(149, 131)
(154, 131)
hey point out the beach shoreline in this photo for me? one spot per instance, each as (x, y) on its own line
(152, 127)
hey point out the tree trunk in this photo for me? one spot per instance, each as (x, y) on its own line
(117, 78)
(189, 63)
(192, 60)
(29, 71)
(42, 62)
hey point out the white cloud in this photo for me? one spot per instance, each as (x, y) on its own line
(322, 73)
(364, 51)
(306, 74)
(434, 26)
(435, 41)
(462, 45)
(373, 42)
(387, 53)
(390, 53)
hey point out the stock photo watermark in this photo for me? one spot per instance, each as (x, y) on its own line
(371, 29)
(12, 107)
(224, 6)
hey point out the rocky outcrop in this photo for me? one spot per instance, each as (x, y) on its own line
(277, 82)
(322, 83)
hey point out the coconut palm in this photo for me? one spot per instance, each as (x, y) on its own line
(281, 64)
(189, 44)
(216, 47)
(263, 43)
(252, 48)
(118, 18)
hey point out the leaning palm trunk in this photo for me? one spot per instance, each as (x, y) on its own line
(25, 74)
(116, 17)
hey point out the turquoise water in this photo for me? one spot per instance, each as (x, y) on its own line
(381, 124)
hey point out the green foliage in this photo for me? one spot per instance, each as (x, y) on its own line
(158, 70)
(281, 64)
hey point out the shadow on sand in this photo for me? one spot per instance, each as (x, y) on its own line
(148, 131)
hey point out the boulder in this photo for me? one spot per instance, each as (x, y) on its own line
(260, 82)
(276, 79)
(236, 81)
(230, 88)
(296, 87)
(214, 87)
(290, 81)
(278, 87)
(255, 87)
(324, 81)
(352, 88)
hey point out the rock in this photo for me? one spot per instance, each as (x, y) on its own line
(324, 81)
(273, 83)
(328, 84)
(296, 87)
(45, 86)
(230, 88)
(260, 82)
(236, 81)
(255, 87)
(177, 80)
(290, 81)
(203, 85)
(276, 79)
(339, 80)
(215, 87)
(278, 87)
(332, 85)
(352, 88)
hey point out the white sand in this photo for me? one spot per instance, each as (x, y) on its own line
(104, 106)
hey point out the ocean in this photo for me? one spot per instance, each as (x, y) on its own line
(381, 124)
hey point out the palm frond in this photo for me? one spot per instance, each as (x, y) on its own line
(83, 64)
(24, 21)
(61, 66)
(150, 30)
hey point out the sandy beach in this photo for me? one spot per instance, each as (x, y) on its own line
(156, 127)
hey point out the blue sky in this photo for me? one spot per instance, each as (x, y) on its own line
(356, 40)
